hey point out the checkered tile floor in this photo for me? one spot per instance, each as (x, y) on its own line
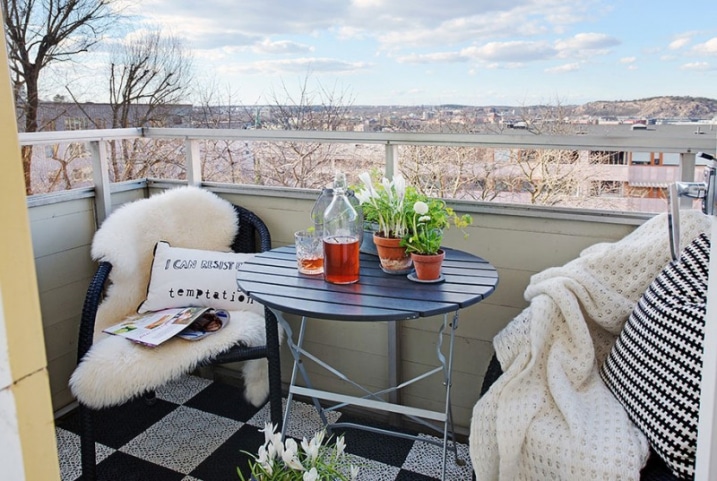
(198, 430)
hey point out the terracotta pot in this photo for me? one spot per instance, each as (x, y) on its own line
(428, 267)
(394, 258)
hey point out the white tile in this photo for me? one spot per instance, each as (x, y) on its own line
(373, 470)
(182, 439)
(68, 451)
(183, 389)
(427, 459)
(304, 421)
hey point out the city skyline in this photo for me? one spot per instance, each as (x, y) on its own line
(491, 52)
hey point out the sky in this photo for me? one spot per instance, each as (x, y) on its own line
(423, 52)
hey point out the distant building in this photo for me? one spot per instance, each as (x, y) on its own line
(59, 116)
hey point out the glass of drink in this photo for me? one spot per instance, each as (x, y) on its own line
(341, 259)
(309, 252)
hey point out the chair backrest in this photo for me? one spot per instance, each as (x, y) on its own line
(252, 235)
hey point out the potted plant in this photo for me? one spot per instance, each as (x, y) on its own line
(387, 206)
(288, 461)
(429, 218)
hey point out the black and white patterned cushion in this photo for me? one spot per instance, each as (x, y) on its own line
(654, 369)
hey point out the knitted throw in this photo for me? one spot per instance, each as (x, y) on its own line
(550, 416)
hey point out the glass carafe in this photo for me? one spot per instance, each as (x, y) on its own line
(341, 236)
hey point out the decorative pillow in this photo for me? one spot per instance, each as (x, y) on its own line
(191, 277)
(655, 367)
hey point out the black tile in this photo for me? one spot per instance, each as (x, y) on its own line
(116, 426)
(123, 467)
(223, 400)
(383, 448)
(405, 475)
(222, 464)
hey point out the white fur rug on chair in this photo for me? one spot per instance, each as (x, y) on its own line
(115, 369)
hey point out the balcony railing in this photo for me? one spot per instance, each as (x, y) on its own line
(640, 176)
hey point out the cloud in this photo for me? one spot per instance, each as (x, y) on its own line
(680, 42)
(696, 66)
(628, 60)
(279, 47)
(584, 45)
(513, 51)
(394, 24)
(438, 57)
(496, 53)
(568, 67)
(707, 48)
(300, 65)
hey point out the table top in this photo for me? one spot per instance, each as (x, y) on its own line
(272, 278)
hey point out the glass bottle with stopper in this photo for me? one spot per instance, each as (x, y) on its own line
(342, 232)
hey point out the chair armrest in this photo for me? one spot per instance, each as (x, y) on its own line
(95, 293)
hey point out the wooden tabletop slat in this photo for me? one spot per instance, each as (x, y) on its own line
(273, 279)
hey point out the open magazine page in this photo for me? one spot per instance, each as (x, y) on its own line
(153, 328)
(208, 323)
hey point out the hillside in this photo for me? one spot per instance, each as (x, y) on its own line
(654, 107)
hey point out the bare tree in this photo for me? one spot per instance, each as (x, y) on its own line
(147, 77)
(302, 164)
(223, 160)
(40, 32)
(449, 172)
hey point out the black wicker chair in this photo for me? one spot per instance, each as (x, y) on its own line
(253, 236)
(654, 470)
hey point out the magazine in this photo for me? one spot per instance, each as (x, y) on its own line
(153, 328)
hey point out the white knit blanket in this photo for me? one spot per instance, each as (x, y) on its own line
(549, 416)
(115, 369)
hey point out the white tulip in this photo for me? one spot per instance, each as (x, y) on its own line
(363, 196)
(365, 177)
(387, 186)
(399, 184)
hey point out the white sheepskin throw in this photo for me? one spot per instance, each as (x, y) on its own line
(115, 369)
(550, 416)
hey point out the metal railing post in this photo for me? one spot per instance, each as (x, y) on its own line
(101, 179)
(391, 159)
(193, 162)
(687, 174)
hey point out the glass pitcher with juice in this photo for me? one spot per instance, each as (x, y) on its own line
(342, 236)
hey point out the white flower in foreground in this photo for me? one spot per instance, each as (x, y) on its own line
(399, 183)
(365, 177)
(420, 208)
(311, 475)
(354, 472)
(291, 460)
(268, 431)
(318, 438)
(340, 446)
(363, 196)
(424, 218)
(311, 449)
(291, 447)
(387, 188)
